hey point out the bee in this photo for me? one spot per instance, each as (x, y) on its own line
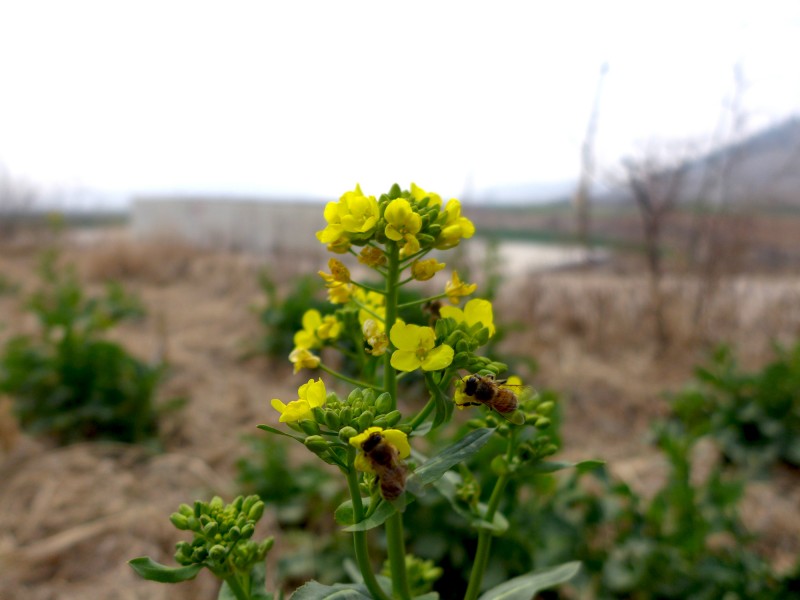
(432, 308)
(497, 395)
(386, 462)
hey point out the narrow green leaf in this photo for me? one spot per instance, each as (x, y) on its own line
(149, 569)
(554, 465)
(313, 590)
(283, 433)
(382, 512)
(459, 452)
(526, 586)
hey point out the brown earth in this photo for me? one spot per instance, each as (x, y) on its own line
(71, 517)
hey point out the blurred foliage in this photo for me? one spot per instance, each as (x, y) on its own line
(303, 499)
(281, 316)
(71, 383)
(754, 417)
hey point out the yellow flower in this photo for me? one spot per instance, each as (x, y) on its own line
(455, 288)
(455, 227)
(354, 213)
(402, 223)
(475, 311)
(422, 270)
(393, 437)
(312, 394)
(339, 273)
(372, 306)
(316, 329)
(340, 294)
(303, 359)
(375, 336)
(415, 349)
(372, 256)
(419, 194)
(307, 337)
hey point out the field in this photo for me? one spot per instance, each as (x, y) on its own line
(70, 517)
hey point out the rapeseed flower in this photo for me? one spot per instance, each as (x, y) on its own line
(402, 224)
(416, 348)
(372, 305)
(372, 256)
(475, 311)
(339, 273)
(455, 288)
(423, 270)
(419, 194)
(316, 330)
(375, 336)
(455, 227)
(353, 214)
(394, 437)
(302, 358)
(311, 395)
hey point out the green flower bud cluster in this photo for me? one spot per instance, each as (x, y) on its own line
(222, 535)
(465, 339)
(339, 420)
(538, 409)
(422, 574)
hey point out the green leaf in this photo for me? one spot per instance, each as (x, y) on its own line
(313, 590)
(283, 433)
(382, 512)
(447, 486)
(459, 452)
(526, 586)
(149, 569)
(553, 465)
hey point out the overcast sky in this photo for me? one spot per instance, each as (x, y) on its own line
(307, 98)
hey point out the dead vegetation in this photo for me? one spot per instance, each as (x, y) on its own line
(71, 517)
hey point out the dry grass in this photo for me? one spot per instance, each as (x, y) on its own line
(70, 518)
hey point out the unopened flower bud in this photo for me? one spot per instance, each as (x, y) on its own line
(355, 395)
(248, 530)
(234, 534)
(365, 420)
(319, 414)
(346, 415)
(255, 512)
(309, 427)
(316, 444)
(332, 420)
(180, 521)
(186, 510)
(216, 503)
(542, 423)
(369, 396)
(546, 407)
(217, 553)
(211, 529)
(393, 418)
(383, 403)
(345, 433)
(500, 465)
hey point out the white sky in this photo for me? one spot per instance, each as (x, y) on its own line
(310, 97)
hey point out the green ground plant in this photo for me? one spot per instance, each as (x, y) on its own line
(753, 416)
(71, 383)
(391, 443)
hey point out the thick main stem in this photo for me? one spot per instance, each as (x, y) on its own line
(395, 544)
(485, 541)
(360, 540)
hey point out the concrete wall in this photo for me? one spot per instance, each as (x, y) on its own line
(256, 226)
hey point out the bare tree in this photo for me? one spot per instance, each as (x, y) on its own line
(655, 181)
(581, 198)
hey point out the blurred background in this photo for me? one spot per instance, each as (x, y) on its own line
(633, 172)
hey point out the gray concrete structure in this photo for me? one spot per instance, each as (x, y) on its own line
(259, 226)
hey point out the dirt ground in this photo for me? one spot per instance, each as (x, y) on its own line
(70, 517)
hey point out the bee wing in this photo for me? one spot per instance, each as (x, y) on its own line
(517, 418)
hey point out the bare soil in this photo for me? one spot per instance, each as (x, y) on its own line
(71, 517)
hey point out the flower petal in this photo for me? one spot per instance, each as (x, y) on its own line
(438, 358)
(405, 360)
(399, 440)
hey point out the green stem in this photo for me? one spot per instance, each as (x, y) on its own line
(355, 382)
(369, 288)
(396, 548)
(237, 589)
(485, 541)
(423, 414)
(395, 544)
(423, 301)
(360, 539)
